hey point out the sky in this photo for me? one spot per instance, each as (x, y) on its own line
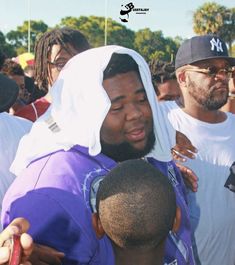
(172, 17)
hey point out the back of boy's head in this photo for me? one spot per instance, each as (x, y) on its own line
(136, 205)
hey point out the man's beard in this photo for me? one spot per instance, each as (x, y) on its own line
(125, 151)
(207, 98)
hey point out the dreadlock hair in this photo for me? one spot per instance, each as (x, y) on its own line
(61, 36)
(161, 71)
(120, 64)
(10, 67)
(136, 205)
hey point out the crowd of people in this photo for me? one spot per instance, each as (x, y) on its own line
(115, 160)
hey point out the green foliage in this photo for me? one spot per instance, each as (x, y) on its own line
(6, 48)
(152, 45)
(149, 44)
(19, 38)
(209, 18)
(120, 35)
(227, 30)
(216, 19)
(93, 28)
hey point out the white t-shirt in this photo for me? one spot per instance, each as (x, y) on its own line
(12, 128)
(212, 207)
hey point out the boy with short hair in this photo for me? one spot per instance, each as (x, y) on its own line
(136, 208)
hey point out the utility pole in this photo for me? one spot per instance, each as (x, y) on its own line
(106, 23)
(29, 26)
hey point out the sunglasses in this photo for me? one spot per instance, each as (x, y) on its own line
(213, 71)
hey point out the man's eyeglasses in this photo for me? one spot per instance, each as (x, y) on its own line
(213, 71)
(58, 65)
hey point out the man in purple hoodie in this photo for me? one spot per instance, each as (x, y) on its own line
(103, 112)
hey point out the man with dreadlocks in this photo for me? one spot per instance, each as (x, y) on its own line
(52, 51)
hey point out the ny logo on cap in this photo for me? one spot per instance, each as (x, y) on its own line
(216, 44)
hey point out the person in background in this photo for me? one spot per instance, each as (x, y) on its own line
(230, 105)
(136, 209)
(31, 86)
(164, 80)
(14, 71)
(103, 111)
(29, 70)
(53, 49)
(27, 83)
(12, 129)
(35, 93)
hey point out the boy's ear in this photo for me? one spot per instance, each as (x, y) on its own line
(177, 220)
(97, 226)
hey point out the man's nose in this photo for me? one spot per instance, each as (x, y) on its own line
(222, 75)
(133, 112)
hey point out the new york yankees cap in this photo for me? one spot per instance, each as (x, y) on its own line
(200, 48)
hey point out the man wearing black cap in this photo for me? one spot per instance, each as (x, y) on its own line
(11, 130)
(203, 70)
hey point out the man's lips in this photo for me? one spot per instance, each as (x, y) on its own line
(136, 134)
(221, 89)
(221, 86)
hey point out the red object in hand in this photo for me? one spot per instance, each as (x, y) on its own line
(16, 250)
